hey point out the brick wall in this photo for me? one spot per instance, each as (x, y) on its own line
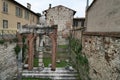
(61, 16)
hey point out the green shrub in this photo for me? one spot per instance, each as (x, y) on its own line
(62, 46)
(23, 39)
(2, 41)
(36, 62)
(17, 49)
(81, 61)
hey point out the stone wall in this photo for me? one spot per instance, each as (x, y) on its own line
(8, 62)
(61, 16)
(104, 16)
(77, 34)
(103, 53)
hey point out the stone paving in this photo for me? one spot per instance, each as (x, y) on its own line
(59, 74)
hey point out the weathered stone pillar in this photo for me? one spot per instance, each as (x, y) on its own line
(30, 39)
(19, 36)
(37, 43)
(19, 63)
(53, 37)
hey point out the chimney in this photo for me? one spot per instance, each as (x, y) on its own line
(50, 5)
(28, 5)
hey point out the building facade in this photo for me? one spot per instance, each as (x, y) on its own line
(101, 40)
(105, 18)
(78, 25)
(61, 16)
(13, 15)
(78, 22)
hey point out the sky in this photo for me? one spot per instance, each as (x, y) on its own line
(40, 5)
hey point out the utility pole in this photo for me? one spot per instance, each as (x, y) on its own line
(87, 4)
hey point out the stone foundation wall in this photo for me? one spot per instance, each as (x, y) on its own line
(8, 62)
(103, 53)
(77, 34)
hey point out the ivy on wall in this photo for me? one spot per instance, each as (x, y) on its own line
(2, 41)
(81, 62)
(24, 48)
(17, 50)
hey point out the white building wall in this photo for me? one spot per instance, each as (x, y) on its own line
(104, 16)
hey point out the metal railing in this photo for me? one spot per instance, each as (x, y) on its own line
(8, 34)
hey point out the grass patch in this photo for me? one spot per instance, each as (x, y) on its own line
(61, 64)
(36, 79)
(47, 61)
(62, 46)
(36, 61)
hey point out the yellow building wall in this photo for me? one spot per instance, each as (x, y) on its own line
(13, 19)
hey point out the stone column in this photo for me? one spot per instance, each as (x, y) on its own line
(30, 39)
(37, 43)
(53, 37)
(20, 44)
(20, 36)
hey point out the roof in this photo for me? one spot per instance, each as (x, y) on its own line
(15, 2)
(61, 6)
(82, 18)
(91, 5)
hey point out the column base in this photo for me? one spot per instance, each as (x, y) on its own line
(53, 69)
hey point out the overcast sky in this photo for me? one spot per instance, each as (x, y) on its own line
(40, 5)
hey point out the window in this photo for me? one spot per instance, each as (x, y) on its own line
(82, 23)
(18, 12)
(27, 15)
(18, 25)
(5, 23)
(75, 23)
(5, 7)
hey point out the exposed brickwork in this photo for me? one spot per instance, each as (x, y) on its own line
(30, 39)
(30, 43)
(19, 36)
(53, 37)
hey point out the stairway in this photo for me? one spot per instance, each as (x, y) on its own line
(59, 74)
